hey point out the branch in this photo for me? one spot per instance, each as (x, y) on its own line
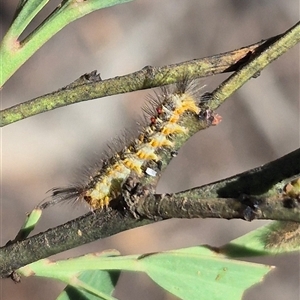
(258, 62)
(203, 201)
(90, 86)
(255, 194)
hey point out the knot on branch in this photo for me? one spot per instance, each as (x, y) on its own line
(206, 114)
(252, 206)
(133, 192)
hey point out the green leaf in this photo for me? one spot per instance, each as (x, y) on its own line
(82, 274)
(198, 273)
(29, 224)
(192, 273)
(277, 237)
(14, 52)
(25, 12)
(103, 281)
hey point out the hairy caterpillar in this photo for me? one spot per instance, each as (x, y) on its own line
(163, 115)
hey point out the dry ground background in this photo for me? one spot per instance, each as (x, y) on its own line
(260, 124)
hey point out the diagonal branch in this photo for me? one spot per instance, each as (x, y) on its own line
(255, 194)
(90, 86)
(218, 200)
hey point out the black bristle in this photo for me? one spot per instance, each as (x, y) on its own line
(60, 195)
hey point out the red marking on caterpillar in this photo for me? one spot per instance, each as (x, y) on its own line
(164, 113)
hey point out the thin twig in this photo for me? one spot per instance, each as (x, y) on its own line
(257, 63)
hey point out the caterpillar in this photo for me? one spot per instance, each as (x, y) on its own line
(164, 114)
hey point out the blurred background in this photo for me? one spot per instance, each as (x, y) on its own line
(260, 124)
